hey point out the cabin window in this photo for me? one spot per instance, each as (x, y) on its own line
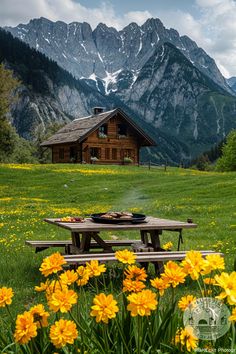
(128, 152)
(95, 152)
(102, 131)
(61, 153)
(122, 130)
(114, 154)
(73, 153)
(107, 153)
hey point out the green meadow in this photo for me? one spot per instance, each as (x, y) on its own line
(30, 193)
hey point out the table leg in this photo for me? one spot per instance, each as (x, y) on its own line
(75, 247)
(101, 242)
(85, 242)
(156, 244)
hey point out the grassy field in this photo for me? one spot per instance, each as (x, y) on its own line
(29, 193)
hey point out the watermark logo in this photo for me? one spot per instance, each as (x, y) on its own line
(208, 317)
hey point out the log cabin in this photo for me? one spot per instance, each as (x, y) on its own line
(109, 137)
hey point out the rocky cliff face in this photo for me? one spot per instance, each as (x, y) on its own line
(232, 83)
(47, 93)
(175, 97)
(101, 54)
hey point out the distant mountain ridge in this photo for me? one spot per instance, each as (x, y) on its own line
(232, 83)
(101, 54)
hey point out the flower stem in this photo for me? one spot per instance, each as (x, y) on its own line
(139, 349)
(233, 337)
(104, 329)
(122, 337)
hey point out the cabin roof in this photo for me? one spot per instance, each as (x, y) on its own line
(80, 128)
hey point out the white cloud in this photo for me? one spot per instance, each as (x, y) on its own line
(214, 29)
(14, 12)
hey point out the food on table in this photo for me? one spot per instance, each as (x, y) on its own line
(71, 219)
(123, 215)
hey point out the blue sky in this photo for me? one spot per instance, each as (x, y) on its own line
(211, 23)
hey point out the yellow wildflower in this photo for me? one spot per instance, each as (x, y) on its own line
(173, 274)
(213, 262)
(142, 303)
(53, 286)
(94, 269)
(133, 285)
(83, 275)
(209, 281)
(62, 300)
(167, 246)
(186, 302)
(26, 328)
(160, 284)
(40, 315)
(228, 283)
(233, 315)
(187, 338)
(42, 286)
(68, 277)
(52, 264)
(6, 295)
(104, 307)
(126, 256)
(135, 273)
(63, 332)
(193, 264)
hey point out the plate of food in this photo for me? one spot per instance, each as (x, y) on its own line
(116, 217)
(70, 219)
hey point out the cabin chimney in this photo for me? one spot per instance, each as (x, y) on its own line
(98, 110)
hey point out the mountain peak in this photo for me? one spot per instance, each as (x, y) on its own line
(153, 23)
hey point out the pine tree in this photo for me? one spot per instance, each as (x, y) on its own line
(228, 160)
(7, 86)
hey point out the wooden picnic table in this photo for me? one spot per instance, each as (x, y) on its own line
(83, 234)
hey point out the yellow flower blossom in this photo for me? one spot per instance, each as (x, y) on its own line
(104, 307)
(63, 332)
(26, 328)
(83, 275)
(213, 262)
(133, 285)
(42, 286)
(135, 273)
(209, 281)
(193, 264)
(6, 295)
(62, 300)
(52, 264)
(54, 286)
(167, 246)
(142, 303)
(186, 338)
(160, 284)
(125, 256)
(173, 274)
(186, 302)
(94, 269)
(228, 283)
(233, 315)
(68, 277)
(40, 315)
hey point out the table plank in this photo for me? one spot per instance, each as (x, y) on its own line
(150, 224)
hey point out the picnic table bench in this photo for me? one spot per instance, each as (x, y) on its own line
(141, 257)
(42, 245)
